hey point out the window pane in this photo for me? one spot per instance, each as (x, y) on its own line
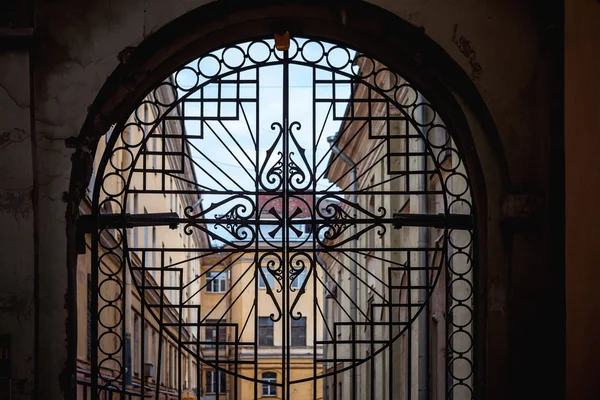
(209, 382)
(222, 382)
(269, 276)
(216, 282)
(297, 283)
(211, 333)
(136, 344)
(299, 332)
(265, 331)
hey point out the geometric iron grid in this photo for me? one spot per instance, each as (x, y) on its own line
(293, 222)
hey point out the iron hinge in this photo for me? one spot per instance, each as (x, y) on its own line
(88, 223)
(440, 221)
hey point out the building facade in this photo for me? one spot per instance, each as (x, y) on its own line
(243, 312)
(418, 279)
(147, 274)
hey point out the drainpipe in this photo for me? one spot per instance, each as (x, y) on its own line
(422, 243)
(352, 165)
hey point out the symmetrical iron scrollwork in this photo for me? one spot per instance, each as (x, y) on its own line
(274, 224)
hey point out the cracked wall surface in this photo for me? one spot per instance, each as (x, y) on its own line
(501, 45)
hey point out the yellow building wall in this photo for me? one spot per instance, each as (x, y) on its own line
(240, 303)
(150, 237)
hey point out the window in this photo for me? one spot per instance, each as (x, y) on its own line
(171, 292)
(146, 344)
(172, 366)
(135, 211)
(299, 280)
(307, 228)
(154, 359)
(299, 332)
(267, 389)
(153, 149)
(211, 333)
(193, 376)
(146, 241)
(216, 282)
(136, 344)
(211, 382)
(163, 363)
(269, 276)
(265, 331)
(184, 371)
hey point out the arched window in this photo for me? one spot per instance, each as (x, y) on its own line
(273, 140)
(267, 389)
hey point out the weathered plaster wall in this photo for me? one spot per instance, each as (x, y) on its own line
(17, 219)
(582, 146)
(500, 44)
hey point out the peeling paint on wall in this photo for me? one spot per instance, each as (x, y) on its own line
(16, 305)
(467, 50)
(16, 202)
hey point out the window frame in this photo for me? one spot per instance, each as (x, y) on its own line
(218, 278)
(271, 389)
(135, 352)
(222, 386)
(262, 336)
(296, 321)
(219, 331)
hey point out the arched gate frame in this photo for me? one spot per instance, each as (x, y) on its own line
(395, 219)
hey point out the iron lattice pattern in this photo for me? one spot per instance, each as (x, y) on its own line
(252, 200)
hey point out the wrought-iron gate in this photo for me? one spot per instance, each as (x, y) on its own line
(286, 219)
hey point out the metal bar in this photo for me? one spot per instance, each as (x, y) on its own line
(198, 368)
(285, 259)
(160, 328)
(390, 349)
(449, 221)
(86, 223)
(354, 358)
(126, 287)
(236, 364)
(143, 316)
(94, 305)
(409, 331)
(180, 335)
(313, 232)
(256, 245)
